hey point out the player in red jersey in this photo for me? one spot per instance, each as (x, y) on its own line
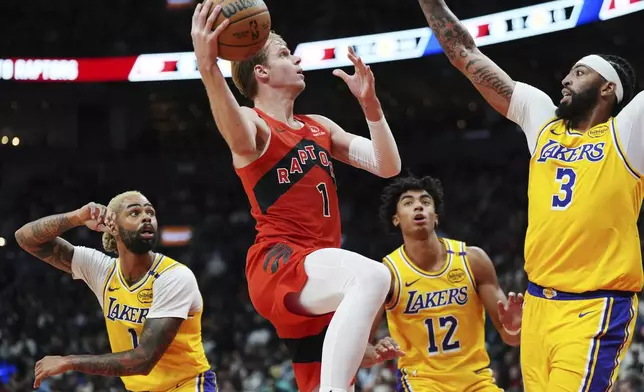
(320, 298)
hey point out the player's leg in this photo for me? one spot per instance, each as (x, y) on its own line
(592, 344)
(352, 286)
(534, 350)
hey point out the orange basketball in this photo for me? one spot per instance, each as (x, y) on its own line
(250, 25)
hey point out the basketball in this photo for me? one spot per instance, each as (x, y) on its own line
(250, 25)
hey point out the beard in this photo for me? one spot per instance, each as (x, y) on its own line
(135, 243)
(579, 105)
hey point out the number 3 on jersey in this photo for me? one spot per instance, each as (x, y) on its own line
(566, 178)
(449, 343)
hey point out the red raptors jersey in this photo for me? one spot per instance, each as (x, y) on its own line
(291, 187)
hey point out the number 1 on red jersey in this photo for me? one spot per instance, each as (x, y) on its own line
(325, 199)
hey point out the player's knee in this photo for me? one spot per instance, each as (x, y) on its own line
(378, 278)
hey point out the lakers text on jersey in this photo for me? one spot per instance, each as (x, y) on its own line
(439, 323)
(584, 201)
(184, 365)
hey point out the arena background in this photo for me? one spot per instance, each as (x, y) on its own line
(94, 131)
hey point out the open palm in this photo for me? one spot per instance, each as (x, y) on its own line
(510, 313)
(362, 82)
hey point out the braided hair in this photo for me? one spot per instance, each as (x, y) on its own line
(626, 74)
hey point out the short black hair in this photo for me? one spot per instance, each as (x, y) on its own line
(626, 74)
(391, 194)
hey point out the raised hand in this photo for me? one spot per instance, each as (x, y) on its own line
(510, 313)
(362, 82)
(97, 217)
(204, 39)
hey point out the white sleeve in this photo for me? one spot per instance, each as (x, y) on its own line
(630, 128)
(92, 267)
(175, 293)
(530, 108)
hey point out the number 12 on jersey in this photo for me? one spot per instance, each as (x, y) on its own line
(449, 343)
(566, 178)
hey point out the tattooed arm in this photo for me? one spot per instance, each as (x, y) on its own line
(489, 79)
(157, 335)
(42, 239)
(175, 293)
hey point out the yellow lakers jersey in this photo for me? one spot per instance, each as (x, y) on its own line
(125, 309)
(437, 318)
(584, 201)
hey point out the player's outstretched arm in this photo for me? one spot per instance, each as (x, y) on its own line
(380, 154)
(489, 79)
(505, 314)
(156, 337)
(630, 126)
(235, 123)
(42, 238)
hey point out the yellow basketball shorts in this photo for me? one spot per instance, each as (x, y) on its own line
(574, 342)
(204, 382)
(480, 381)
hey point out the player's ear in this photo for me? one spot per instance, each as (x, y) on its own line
(260, 72)
(395, 221)
(608, 89)
(114, 230)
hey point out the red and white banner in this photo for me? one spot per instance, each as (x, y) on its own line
(106, 69)
(538, 19)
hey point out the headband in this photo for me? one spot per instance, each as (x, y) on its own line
(606, 70)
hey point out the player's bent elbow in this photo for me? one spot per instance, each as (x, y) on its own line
(147, 366)
(20, 237)
(392, 172)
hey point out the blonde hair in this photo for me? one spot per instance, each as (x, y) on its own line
(243, 72)
(109, 241)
